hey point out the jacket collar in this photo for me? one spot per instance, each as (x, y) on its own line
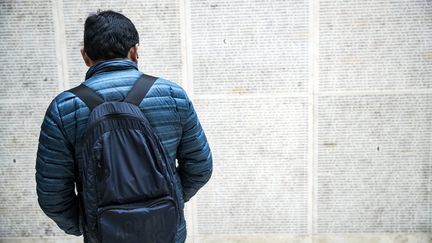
(110, 65)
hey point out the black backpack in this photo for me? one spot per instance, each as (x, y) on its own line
(126, 188)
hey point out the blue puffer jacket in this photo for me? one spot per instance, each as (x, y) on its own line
(169, 111)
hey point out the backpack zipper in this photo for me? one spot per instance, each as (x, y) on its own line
(148, 204)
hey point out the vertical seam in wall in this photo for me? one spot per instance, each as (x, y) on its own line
(429, 191)
(60, 40)
(310, 120)
(313, 86)
(315, 116)
(187, 83)
(186, 45)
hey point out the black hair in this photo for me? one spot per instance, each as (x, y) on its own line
(108, 34)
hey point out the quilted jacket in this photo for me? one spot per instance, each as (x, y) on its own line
(169, 111)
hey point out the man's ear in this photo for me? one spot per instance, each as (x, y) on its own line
(133, 53)
(89, 62)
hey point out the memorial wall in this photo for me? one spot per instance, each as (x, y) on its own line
(318, 112)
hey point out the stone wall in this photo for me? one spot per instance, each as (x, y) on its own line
(318, 112)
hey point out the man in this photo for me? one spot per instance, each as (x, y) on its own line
(111, 51)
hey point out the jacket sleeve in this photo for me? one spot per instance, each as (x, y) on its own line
(193, 155)
(55, 173)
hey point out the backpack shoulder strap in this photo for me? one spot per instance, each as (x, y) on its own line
(87, 95)
(140, 89)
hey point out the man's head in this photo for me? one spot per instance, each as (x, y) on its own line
(107, 35)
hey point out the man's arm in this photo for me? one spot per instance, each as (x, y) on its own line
(55, 173)
(193, 154)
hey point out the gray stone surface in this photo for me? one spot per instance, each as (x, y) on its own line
(249, 46)
(158, 25)
(374, 163)
(318, 112)
(259, 184)
(375, 45)
(29, 78)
